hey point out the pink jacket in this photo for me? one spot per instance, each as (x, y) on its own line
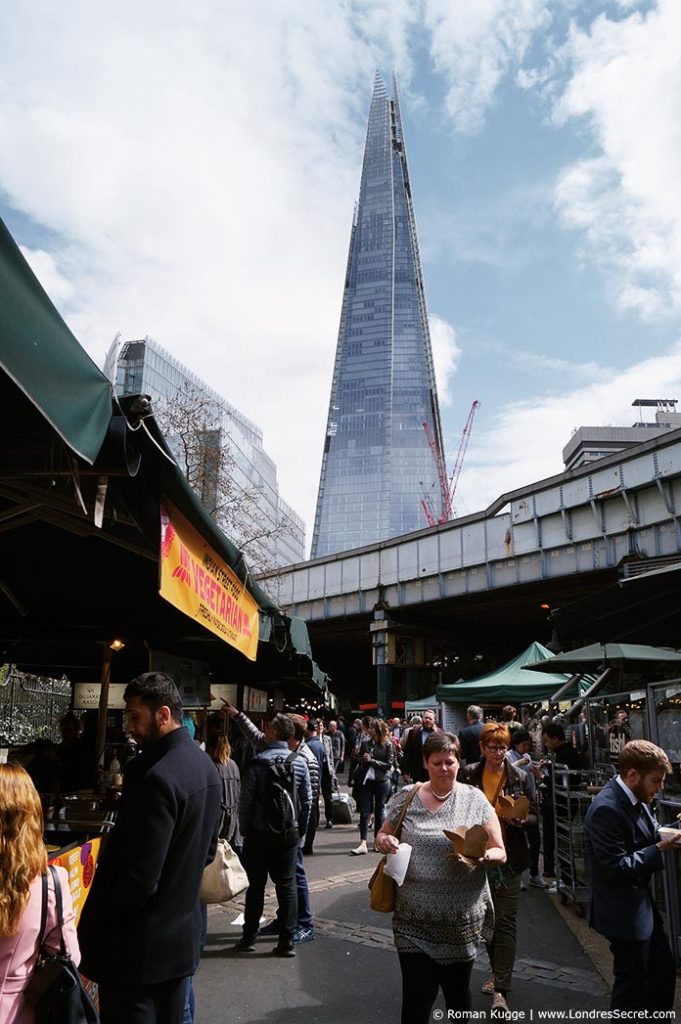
(19, 952)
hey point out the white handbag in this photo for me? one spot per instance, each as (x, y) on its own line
(225, 877)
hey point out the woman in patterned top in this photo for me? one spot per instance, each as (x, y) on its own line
(444, 906)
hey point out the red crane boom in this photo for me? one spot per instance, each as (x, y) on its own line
(456, 472)
(447, 486)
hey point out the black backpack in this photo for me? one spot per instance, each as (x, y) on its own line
(277, 793)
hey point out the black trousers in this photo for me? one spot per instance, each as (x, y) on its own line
(421, 979)
(162, 1003)
(265, 855)
(645, 972)
(312, 824)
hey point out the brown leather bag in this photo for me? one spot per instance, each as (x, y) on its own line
(381, 886)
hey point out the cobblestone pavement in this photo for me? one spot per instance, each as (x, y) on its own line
(540, 972)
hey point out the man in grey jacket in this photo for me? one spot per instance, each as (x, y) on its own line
(270, 851)
(304, 931)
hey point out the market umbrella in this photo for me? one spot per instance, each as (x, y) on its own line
(630, 657)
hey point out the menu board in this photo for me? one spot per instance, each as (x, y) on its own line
(255, 700)
(220, 692)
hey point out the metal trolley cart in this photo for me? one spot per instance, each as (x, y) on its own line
(571, 800)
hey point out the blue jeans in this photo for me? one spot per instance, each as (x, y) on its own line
(189, 1001)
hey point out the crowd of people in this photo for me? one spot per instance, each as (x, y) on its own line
(142, 928)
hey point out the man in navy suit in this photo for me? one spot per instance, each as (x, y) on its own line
(623, 851)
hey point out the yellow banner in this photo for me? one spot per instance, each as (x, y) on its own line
(195, 580)
(80, 864)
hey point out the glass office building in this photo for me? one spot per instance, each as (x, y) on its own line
(224, 442)
(378, 460)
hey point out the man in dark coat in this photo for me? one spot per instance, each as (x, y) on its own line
(140, 927)
(413, 764)
(623, 851)
(469, 736)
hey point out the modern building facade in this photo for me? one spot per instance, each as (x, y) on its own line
(378, 458)
(220, 450)
(588, 444)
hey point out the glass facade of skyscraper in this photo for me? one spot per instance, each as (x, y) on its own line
(377, 459)
(224, 442)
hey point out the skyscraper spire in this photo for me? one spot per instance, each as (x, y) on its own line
(377, 457)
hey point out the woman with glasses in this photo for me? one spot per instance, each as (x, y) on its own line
(444, 906)
(496, 776)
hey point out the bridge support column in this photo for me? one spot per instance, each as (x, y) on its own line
(384, 691)
(384, 673)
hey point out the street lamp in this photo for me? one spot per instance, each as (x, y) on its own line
(107, 654)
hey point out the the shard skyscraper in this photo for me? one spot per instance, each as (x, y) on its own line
(378, 458)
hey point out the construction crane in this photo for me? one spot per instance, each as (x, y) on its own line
(438, 455)
(456, 472)
(447, 486)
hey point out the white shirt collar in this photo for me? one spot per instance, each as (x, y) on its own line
(632, 798)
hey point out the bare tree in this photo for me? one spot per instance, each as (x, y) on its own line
(197, 430)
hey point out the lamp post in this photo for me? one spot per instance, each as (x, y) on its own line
(107, 655)
(379, 629)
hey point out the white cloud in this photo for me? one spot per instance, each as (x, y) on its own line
(446, 355)
(524, 440)
(196, 168)
(625, 86)
(48, 273)
(474, 45)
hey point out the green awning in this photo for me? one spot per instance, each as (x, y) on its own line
(43, 358)
(512, 682)
(412, 707)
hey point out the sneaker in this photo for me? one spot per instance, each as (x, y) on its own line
(499, 1002)
(523, 887)
(270, 929)
(329, 824)
(245, 945)
(362, 848)
(303, 935)
(285, 948)
(555, 888)
(488, 987)
(538, 882)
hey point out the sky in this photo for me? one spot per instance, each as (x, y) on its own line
(190, 171)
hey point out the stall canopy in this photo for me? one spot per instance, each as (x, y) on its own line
(413, 707)
(83, 477)
(628, 657)
(43, 358)
(512, 682)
